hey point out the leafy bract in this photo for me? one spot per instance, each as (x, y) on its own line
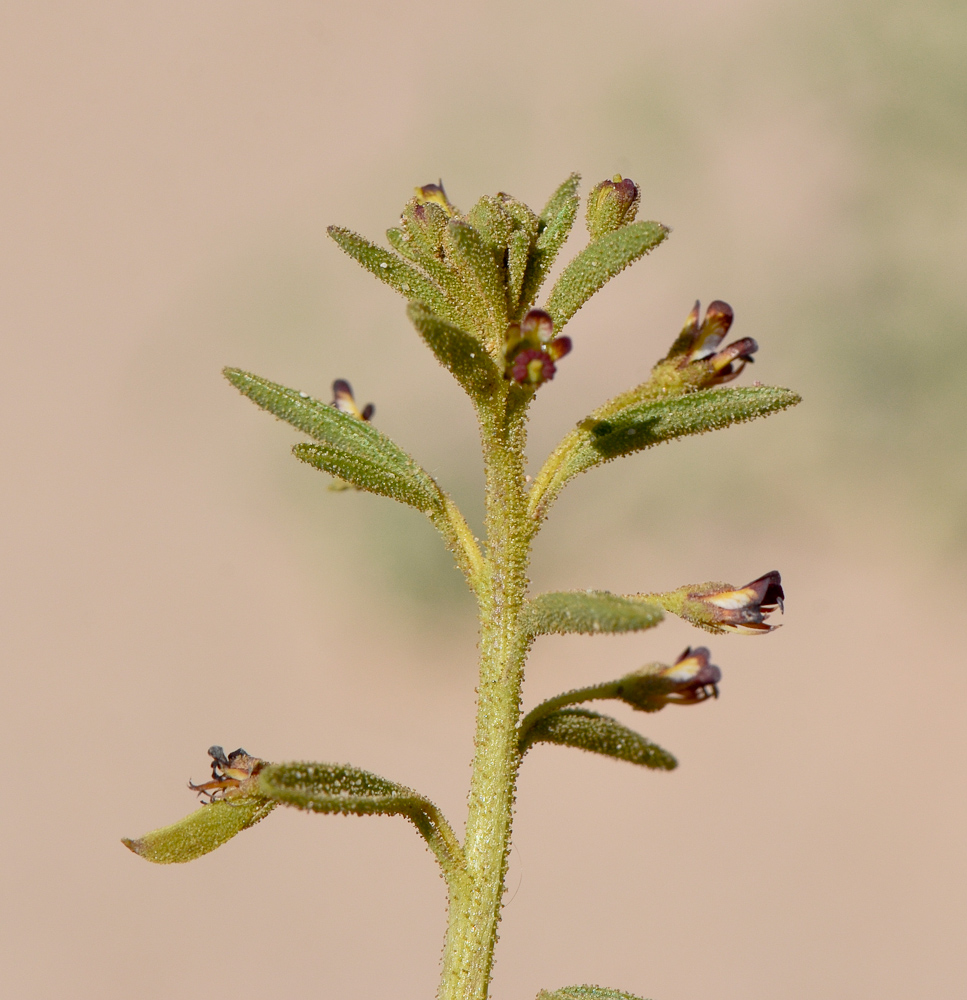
(341, 788)
(585, 993)
(556, 220)
(608, 434)
(202, 831)
(598, 264)
(477, 265)
(460, 353)
(357, 453)
(390, 268)
(565, 195)
(350, 448)
(588, 612)
(587, 730)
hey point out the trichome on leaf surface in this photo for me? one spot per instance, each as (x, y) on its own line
(471, 282)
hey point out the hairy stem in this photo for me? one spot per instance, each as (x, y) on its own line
(576, 697)
(476, 895)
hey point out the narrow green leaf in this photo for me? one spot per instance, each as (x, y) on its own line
(407, 248)
(347, 790)
(586, 993)
(476, 262)
(642, 425)
(397, 273)
(587, 730)
(335, 788)
(460, 353)
(599, 263)
(202, 831)
(588, 612)
(421, 239)
(565, 195)
(351, 449)
(518, 258)
(549, 242)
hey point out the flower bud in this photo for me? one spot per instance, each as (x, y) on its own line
(695, 359)
(611, 205)
(434, 194)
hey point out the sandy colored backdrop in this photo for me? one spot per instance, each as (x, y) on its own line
(172, 578)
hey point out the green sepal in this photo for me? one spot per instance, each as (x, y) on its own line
(586, 993)
(598, 264)
(347, 790)
(202, 831)
(588, 612)
(600, 438)
(556, 221)
(397, 273)
(587, 730)
(351, 449)
(462, 355)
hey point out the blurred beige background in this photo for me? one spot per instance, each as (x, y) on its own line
(173, 578)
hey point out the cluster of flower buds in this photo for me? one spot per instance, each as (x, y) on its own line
(344, 401)
(531, 349)
(229, 773)
(696, 354)
(719, 607)
(689, 680)
(611, 205)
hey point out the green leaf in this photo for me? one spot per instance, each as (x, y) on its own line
(586, 993)
(460, 353)
(641, 425)
(347, 790)
(388, 267)
(587, 730)
(588, 612)
(565, 195)
(350, 448)
(202, 831)
(599, 263)
(557, 218)
(476, 263)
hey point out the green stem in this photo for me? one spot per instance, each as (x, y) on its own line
(476, 893)
(609, 689)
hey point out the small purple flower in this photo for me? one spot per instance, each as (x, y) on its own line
(531, 349)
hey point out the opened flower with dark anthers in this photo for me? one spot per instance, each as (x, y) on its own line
(230, 774)
(695, 360)
(531, 349)
(344, 401)
(720, 607)
(692, 678)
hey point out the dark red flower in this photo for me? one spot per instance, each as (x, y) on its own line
(530, 349)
